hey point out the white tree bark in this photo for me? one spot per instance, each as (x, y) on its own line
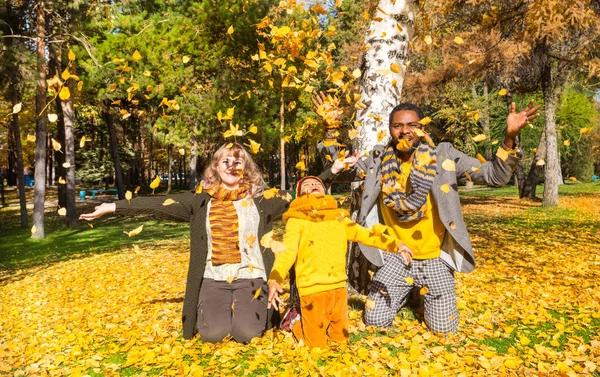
(380, 87)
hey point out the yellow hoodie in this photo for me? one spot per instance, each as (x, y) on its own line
(316, 237)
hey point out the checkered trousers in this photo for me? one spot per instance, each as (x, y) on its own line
(389, 290)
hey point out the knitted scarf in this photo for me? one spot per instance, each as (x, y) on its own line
(316, 208)
(408, 205)
(224, 224)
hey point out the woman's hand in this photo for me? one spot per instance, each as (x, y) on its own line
(406, 253)
(273, 298)
(100, 210)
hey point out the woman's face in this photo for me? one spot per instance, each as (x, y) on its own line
(231, 169)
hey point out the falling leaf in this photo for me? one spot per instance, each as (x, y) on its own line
(185, 59)
(458, 40)
(136, 55)
(449, 165)
(253, 129)
(257, 293)
(480, 158)
(135, 232)
(17, 108)
(300, 166)
(428, 40)
(65, 74)
(56, 145)
(479, 138)
(34, 230)
(82, 142)
(230, 30)
(168, 202)
(71, 55)
(425, 121)
(502, 92)
(250, 240)
(540, 162)
(423, 291)
(409, 280)
(136, 190)
(128, 195)
(396, 68)
(66, 165)
(154, 184)
(31, 138)
(319, 9)
(62, 211)
(381, 135)
(266, 240)
(254, 146)
(567, 143)
(584, 131)
(64, 94)
(182, 151)
(573, 179)
(445, 188)
(198, 189)
(61, 181)
(91, 225)
(52, 118)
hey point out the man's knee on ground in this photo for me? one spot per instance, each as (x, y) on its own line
(212, 335)
(444, 327)
(376, 318)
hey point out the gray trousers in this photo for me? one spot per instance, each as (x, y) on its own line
(389, 290)
(231, 309)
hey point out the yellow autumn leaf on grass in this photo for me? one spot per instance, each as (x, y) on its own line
(135, 232)
(409, 280)
(154, 184)
(567, 143)
(449, 165)
(185, 59)
(425, 121)
(445, 188)
(300, 166)
(230, 30)
(62, 211)
(128, 195)
(428, 40)
(586, 130)
(502, 92)
(168, 202)
(136, 55)
(64, 94)
(71, 55)
(458, 40)
(479, 138)
(56, 145)
(16, 108)
(52, 118)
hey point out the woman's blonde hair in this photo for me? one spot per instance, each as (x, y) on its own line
(251, 174)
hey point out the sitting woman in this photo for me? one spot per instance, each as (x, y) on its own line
(227, 264)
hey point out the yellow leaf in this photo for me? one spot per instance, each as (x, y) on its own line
(352, 133)
(425, 121)
(269, 68)
(266, 240)
(428, 40)
(403, 144)
(91, 225)
(185, 59)
(136, 190)
(66, 165)
(112, 87)
(250, 240)
(136, 55)
(458, 40)
(524, 340)
(198, 189)
(540, 162)
(328, 158)
(502, 92)
(396, 68)
(369, 303)
(154, 184)
(128, 195)
(445, 188)
(300, 166)
(584, 131)
(62, 211)
(52, 118)
(168, 202)
(31, 138)
(381, 135)
(82, 142)
(423, 291)
(230, 30)
(356, 73)
(61, 181)
(572, 179)
(567, 143)
(64, 94)
(319, 9)
(511, 363)
(257, 293)
(135, 232)
(254, 146)
(17, 108)
(182, 151)
(271, 193)
(56, 145)
(34, 230)
(277, 247)
(449, 165)
(409, 280)
(481, 158)
(71, 55)
(253, 129)
(65, 74)
(479, 138)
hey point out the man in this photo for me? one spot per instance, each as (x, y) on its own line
(410, 185)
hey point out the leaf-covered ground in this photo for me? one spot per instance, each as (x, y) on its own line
(532, 307)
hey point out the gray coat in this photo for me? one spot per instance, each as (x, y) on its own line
(457, 250)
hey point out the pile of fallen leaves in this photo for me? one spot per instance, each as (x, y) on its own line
(532, 307)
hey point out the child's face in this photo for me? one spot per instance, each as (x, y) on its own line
(311, 186)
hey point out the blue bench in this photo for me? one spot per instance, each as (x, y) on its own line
(114, 192)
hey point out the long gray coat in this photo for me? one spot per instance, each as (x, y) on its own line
(457, 250)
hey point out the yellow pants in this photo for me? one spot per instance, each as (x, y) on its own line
(324, 315)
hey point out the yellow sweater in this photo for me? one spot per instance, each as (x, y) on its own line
(316, 237)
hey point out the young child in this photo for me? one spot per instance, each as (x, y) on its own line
(316, 237)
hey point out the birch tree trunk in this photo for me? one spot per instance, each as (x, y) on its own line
(282, 142)
(380, 91)
(39, 193)
(114, 148)
(380, 87)
(69, 157)
(194, 159)
(169, 168)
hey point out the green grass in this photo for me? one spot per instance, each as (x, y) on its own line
(568, 189)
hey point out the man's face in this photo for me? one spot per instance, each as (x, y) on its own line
(311, 186)
(402, 131)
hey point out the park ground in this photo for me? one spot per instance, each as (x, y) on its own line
(93, 301)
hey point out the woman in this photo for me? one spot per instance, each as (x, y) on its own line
(227, 264)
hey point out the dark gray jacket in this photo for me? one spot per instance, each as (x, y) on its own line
(457, 250)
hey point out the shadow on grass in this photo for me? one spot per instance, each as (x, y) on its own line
(18, 251)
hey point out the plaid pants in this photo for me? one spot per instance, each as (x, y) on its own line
(389, 290)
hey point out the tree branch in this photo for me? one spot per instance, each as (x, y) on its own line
(150, 24)
(17, 36)
(87, 47)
